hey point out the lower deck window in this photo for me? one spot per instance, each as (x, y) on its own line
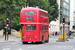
(30, 27)
(44, 28)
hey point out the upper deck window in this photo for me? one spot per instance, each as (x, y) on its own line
(42, 14)
(29, 13)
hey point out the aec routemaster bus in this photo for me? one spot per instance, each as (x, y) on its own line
(34, 25)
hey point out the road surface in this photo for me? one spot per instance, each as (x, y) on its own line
(52, 45)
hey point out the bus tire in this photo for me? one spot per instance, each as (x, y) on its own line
(42, 40)
(24, 42)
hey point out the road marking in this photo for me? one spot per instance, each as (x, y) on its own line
(73, 49)
(10, 45)
(19, 49)
(53, 39)
(14, 43)
(30, 47)
(6, 49)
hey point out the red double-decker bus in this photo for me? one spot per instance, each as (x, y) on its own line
(34, 25)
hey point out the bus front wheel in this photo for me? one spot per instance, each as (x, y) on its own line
(42, 40)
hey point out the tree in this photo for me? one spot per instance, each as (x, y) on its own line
(43, 4)
(12, 8)
(53, 10)
(49, 5)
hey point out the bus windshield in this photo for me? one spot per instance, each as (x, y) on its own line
(29, 13)
(30, 27)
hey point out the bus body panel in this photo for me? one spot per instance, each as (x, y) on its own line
(35, 35)
(39, 20)
(35, 17)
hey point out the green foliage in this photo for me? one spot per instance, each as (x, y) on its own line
(43, 4)
(53, 10)
(1, 26)
(12, 8)
(49, 5)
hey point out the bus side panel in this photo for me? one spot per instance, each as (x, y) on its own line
(22, 32)
(41, 33)
(38, 32)
(44, 32)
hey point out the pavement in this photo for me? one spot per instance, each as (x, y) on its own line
(11, 38)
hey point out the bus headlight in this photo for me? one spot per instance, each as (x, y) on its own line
(24, 37)
(30, 38)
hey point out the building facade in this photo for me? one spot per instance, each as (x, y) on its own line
(74, 12)
(64, 10)
(71, 14)
(54, 26)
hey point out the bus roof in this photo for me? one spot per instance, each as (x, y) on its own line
(34, 8)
